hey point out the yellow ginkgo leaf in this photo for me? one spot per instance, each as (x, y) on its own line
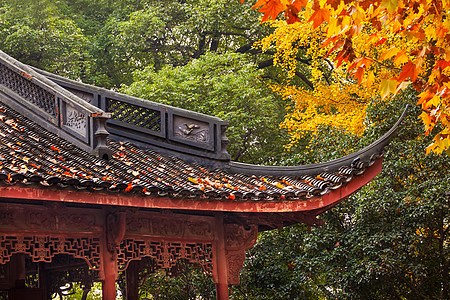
(387, 87)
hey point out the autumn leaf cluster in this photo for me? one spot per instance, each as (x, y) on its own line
(383, 46)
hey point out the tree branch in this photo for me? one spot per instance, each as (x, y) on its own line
(215, 42)
(244, 145)
(265, 63)
(226, 33)
(305, 79)
(269, 62)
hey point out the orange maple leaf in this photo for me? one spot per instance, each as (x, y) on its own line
(293, 9)
(408, 70)
(320, 16)
(358, 73)
(129, 187)
(329, 40)
(270, 8)
(291, 14)
(442, 64)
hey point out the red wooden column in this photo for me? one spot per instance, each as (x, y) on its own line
(115, 227)
(110, 275)
(232, 240)
(221, 260)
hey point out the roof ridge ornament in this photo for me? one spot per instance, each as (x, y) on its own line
(53, 107)
(367, 155)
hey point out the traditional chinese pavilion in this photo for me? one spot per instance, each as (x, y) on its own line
(90, 175)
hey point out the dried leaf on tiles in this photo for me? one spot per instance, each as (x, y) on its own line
(193, 180)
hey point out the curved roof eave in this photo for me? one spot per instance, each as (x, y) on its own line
(313, 205)
(365, 154)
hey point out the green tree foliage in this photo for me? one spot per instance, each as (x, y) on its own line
(76, 292)
(191, 283)
(36, 33)
(225, 86)
(103, 42)
(175, 32)
(389, 241)
(69, 38)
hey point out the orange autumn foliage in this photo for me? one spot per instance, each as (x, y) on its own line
(404, 42)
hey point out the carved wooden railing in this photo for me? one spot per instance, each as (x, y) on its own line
(85, 115)
(51, 106)
(153, 125)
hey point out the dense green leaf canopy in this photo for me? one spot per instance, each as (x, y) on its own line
(389, 241)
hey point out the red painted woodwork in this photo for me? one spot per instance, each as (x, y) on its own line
(324, 201)
(221, 273)
(120, 228)
(109, 281)
(108, 239)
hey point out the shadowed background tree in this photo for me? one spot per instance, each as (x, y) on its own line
(389, 241)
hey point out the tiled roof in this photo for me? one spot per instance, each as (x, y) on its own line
(31, 155)
(64, 135)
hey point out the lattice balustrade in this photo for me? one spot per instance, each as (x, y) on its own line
(28, 90)
(166, 254)
(134, 114)
(44, 248)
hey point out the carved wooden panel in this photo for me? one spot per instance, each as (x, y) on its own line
(237, 240)
(235, 261)
(165, 253)
(192, 130)
(44, 248)
(175, 226)
(23, 218)
(76, 120)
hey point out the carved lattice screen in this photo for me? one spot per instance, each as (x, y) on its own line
(166, 254)
(28, 90)
(44, 248)
(134, 114)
